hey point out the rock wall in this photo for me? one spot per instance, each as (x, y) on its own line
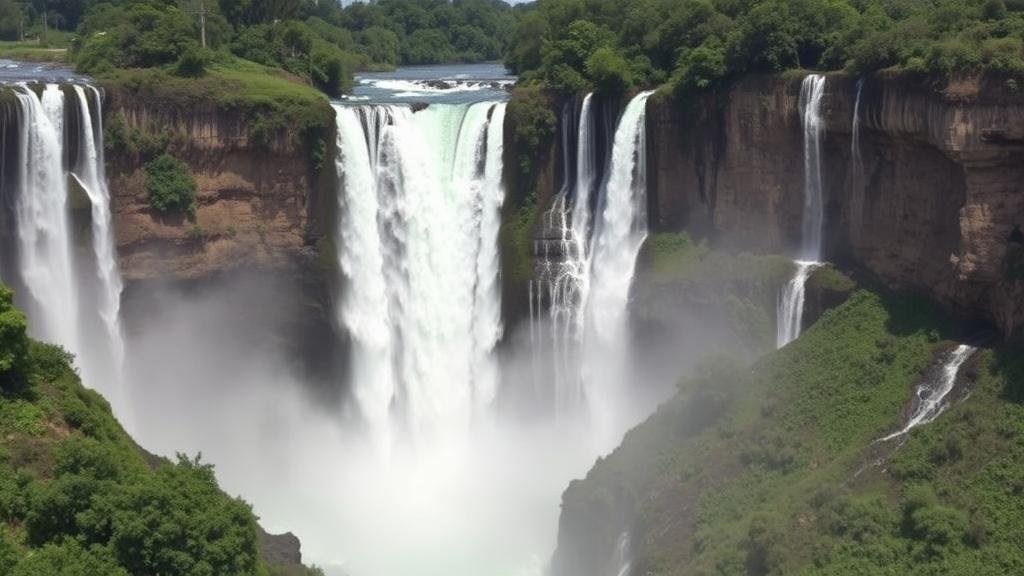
(932, 207)
(261, 202)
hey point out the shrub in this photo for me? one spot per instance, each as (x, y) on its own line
(534, 123)
(609, 71)
(170, 185)
(13, 343)
(192, 63)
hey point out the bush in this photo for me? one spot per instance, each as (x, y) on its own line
(534, 123)
(192, 63)
(170, 185)
(609, 71)
(13, 344)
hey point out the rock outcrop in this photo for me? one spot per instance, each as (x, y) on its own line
(931, 206)
(262, 201)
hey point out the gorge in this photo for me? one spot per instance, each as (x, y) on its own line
(418, 400)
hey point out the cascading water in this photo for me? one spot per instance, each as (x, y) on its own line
(791, 304)
(107, 358)
(83, 318)
(811, 92)
(930, 399)
(563, 277)
(585, 280)
(622, 559)
(421, 196)
(857, 169)
(44, 242)
(790, 307)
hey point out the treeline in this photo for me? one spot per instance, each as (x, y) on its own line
(321, 42)
(695, 44)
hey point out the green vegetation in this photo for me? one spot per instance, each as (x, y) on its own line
(770, 469)
(393, 32)
(316, 43)
(516, 239)
(77, 497)
(742, 288)
(170, 186)
(533, 126)
(699, 44)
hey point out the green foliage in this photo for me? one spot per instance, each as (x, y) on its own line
(170, 185)
(778, 477)
(134, 35)
(742, 288)
(13, 343)
(192, 63)
(700, 44)
(77, 497)
(533, 124)
(392, 32)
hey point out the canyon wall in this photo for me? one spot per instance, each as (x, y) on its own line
(931, 207)
(262, 201)
(265, 204)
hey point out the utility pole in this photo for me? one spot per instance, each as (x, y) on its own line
(202, 12)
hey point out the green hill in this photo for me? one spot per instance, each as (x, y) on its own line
(79, 498)
(773, 468)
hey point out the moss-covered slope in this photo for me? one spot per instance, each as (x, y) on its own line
(771, 469)
(79, 498)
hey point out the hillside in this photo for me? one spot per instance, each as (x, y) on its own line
(79, 498)
(773, 469)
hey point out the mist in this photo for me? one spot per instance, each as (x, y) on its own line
(211, 374)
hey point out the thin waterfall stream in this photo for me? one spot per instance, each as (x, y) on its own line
(789, 312)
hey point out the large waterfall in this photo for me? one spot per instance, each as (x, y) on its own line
(70, 301)
(106, 355)
(417, 243)
(789, 312)
(585, 283)
(43, 222)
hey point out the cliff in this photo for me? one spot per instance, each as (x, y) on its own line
(931, 205)
(264, 200)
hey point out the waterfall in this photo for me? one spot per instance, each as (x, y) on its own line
(811, 92)
(930, 397)
(420, 196)
(90, 173)
(73, 303)
(44, 237)
(621, 227)
(790, 308)
(621, 560)
(857, 169)
(586, 266)
(789, 312)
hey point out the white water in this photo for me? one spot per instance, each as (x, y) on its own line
(420, 206)
(75, 304)
(789, 312)
(931, 394)
(790, 308)
(811, 92)
(622, 557)
(44, 237)
(586, 284)
(564, 278)
(103, 360)
(857, 169)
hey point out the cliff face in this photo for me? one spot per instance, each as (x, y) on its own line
(930, 206)
(261, 200)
